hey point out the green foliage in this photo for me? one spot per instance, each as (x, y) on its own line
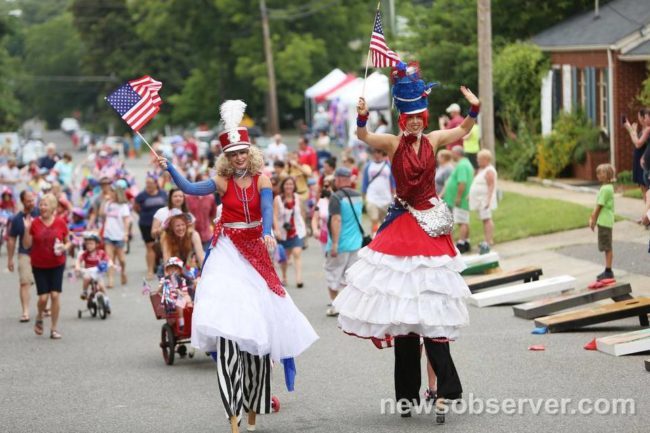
(53, 48)
(205, 51)
(444, 37)
(517, 155)
(197, 102)
(573, 134)
(644, 94)
(10, 107)
(625, 177)
(518, 72)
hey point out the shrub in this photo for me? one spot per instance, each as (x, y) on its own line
(625, 177)
(516, 155)
(573, 135)
(518, 72)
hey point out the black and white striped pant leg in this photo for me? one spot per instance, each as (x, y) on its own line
(230, 374)
(257, 383)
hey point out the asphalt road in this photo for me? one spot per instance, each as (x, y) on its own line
(109, 376)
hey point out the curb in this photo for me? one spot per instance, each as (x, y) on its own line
(562, 185)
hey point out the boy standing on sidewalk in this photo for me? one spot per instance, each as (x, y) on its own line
(603, 217)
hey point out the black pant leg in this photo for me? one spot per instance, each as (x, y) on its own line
(407, 368)
(439, 355)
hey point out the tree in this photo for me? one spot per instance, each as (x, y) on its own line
(518, 72)
(442, 37)
(9, 108)
(53, 49)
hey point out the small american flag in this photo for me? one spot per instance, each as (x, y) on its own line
(137, 101)
(382, 56)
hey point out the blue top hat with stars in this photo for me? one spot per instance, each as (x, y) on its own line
(410, 92)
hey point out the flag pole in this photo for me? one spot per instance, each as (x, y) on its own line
(147, 143)
(365, 75)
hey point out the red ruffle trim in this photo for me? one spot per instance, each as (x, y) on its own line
(404, 237)
(389, 340)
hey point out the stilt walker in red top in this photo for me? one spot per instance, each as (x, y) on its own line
(406, 284)
(242, 314)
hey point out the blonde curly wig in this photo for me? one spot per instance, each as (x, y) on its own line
(255, 163)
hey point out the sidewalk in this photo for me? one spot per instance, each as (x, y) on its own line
(557, 253)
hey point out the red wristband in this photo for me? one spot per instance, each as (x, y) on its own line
(474, 110)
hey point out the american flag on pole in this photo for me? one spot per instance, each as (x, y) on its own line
(137, 101)
(382, 56)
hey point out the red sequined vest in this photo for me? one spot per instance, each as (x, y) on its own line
(415, 173)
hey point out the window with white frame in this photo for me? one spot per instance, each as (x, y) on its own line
(603, 99)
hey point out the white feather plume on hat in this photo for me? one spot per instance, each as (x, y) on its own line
(232, 113)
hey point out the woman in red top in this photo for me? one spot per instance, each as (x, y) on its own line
(47, 236)
(406, 284)
(241, 310)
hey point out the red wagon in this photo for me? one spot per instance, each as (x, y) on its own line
(173, 339)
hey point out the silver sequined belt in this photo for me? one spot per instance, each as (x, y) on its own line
(437, 221)
(242, 225)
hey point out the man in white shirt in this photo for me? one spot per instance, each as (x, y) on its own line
(10, 174)
(378, 186)
(277, 150)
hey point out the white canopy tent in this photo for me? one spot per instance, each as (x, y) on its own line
(324, 84)
(377, 95)
(329, 81)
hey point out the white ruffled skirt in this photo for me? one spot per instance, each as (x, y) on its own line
(395, 295)
(233, 301)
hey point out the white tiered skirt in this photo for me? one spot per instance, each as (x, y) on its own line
(395, 295)
(233, 301)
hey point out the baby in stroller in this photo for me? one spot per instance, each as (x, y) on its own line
(175, 291)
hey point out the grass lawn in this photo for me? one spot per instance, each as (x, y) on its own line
(633, 193)
(519, 216)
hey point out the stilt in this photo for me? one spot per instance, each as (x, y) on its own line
(251, 421)
(234, 426)
(441, 410)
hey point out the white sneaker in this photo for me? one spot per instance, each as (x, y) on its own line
(331, 312)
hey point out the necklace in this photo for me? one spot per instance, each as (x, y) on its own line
(241, 173)
(241, 194)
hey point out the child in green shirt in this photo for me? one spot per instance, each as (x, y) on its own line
(603, 217)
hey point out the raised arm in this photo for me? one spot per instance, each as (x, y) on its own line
(205, 187)
(637, 140)
(446, 136)
(384, 142)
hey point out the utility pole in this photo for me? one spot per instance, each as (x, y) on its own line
(485, 92)
(273, 124)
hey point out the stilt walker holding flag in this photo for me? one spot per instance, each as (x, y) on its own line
(406, 285)
(242, 313)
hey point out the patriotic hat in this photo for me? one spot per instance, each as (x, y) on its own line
(233, 137)
(174, 261)
(409, 90)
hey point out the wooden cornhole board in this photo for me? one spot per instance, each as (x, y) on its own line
(480, 263)
(604, 313)
(547, 306)
(523, 292)
(624, 344)
(481, 282)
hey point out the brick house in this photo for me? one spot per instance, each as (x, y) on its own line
(598, 63)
